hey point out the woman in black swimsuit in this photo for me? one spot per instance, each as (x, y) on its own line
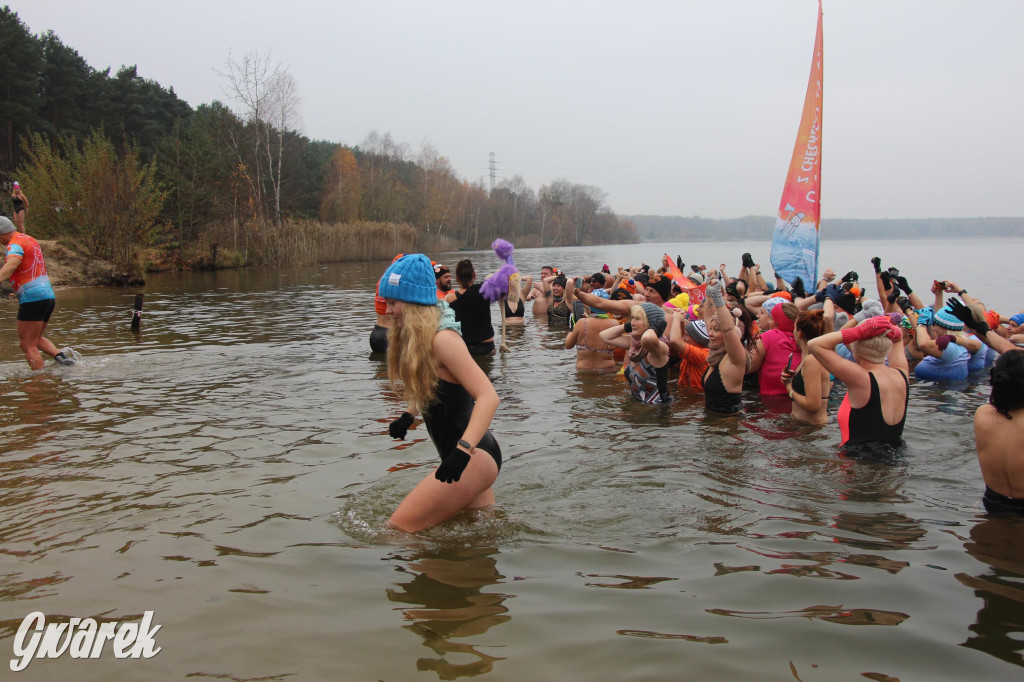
(728, 359)
(875, 407)
(808, 384)
(429, 362)
(560, 306)
(19, 204)
(518, 316)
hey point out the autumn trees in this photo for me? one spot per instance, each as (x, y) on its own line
(107, 199)
(121, 163)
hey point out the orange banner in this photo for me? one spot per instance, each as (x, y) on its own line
(795, 243)
(676, 274)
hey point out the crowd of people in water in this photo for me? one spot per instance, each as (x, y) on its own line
(669, 330)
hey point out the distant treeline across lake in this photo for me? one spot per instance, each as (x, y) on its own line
(680, 228)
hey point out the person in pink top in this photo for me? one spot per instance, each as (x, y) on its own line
(773, 350)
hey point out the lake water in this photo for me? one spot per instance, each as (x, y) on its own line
(229, 469)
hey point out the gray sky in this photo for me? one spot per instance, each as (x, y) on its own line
(685, 107)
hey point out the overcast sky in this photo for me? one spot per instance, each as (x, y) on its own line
(682, 107)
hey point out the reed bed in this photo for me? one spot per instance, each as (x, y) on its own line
(307, 242)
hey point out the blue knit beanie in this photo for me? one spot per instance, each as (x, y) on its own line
(410, 279)
(944, 318)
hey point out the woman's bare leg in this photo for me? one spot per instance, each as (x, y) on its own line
(432, 502)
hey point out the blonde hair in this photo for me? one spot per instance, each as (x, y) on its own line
(411, 361)
(874, 349)
(643, 313)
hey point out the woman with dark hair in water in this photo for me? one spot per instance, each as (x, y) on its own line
(998, 434)
(807, 382)
(472, 310)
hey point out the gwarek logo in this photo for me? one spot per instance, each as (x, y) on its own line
(82, 638)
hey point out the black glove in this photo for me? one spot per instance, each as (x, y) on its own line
(904, 303)
(819, 295)
(902, 281)
(400, 426)
(748, 262)
(834, 293)
(798, 287)
(679, 263)
(886, 280)
(893, 295)
(628, 327)
(877, 262)
(969, 316)
(851, 276)
(452, 466)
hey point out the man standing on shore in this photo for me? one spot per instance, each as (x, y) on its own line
(25, 268)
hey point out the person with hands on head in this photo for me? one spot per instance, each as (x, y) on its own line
(806, 381)
(728, 360)
(647, 353)
(541, 292)
(592, 352)
(689, 341)
(874, 409)
(431, 365)
(560, 305)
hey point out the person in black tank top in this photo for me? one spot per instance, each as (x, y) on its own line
(472, 310)
(875, 407)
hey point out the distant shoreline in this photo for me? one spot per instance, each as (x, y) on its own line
(752, 228)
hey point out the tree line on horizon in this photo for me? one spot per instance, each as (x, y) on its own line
(132, 172)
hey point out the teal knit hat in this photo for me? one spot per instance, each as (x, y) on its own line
(410, 279)
(945, 319)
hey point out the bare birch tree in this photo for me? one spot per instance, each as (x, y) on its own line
(267, 100)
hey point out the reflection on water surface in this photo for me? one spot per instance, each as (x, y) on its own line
(229, 469)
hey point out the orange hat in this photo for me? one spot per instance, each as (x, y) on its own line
(783, 294)
(379, 304)
(992, 318)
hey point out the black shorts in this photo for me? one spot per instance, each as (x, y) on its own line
(481, 349)
(37, 311)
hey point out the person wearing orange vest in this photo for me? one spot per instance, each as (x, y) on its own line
(25, 267)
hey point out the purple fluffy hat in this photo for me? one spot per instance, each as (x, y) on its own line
(496, 286)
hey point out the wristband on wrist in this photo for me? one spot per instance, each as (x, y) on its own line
(467, 446)
(961, 292)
